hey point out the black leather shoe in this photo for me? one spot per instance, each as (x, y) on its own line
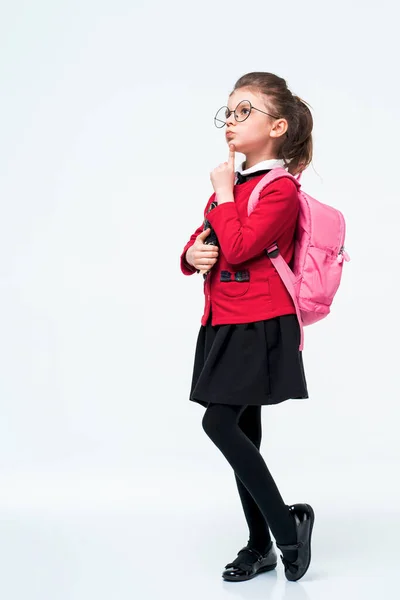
(249, 563)
(304, 518)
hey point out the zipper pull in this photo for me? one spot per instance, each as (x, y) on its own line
(343, 255)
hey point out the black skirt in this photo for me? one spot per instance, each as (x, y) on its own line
(249, 363)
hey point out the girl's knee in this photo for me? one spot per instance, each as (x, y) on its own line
(218, 420)
(208, 422)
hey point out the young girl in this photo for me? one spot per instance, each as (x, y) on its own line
(247, 352)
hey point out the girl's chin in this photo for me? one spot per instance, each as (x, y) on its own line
(237, 145)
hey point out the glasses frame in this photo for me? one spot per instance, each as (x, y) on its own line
(234, 114)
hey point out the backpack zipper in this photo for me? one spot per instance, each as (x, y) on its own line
(343, 255)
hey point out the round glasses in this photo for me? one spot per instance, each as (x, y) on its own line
(241, 113)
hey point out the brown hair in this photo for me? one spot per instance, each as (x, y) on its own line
(297, 144)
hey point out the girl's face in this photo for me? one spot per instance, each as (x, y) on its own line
(258, 133)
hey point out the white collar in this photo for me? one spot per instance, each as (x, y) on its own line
(271, 163)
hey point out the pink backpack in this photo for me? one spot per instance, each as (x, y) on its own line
(318, 253)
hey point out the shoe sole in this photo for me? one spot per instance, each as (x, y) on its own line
(312, 518)
(246, 578)
(311, 528)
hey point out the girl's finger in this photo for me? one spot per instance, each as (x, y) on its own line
(206, 265)
(232, 155)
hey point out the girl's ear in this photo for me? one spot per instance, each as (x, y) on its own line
(279, 127)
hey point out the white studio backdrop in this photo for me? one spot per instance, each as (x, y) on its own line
(107, 143)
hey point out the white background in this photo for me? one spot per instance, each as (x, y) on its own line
(109, 486)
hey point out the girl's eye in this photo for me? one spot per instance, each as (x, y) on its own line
(227, 113)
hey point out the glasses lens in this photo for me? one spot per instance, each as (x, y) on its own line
(220, 117)
(242, 110)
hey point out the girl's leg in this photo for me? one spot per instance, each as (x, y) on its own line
(250, 423)
(220, 422)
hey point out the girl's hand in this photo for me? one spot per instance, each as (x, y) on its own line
(202, 256)
(223, 176)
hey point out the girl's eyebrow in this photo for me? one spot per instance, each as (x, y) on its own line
(239, 103)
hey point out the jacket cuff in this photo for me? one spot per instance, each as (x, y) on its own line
(186, 268)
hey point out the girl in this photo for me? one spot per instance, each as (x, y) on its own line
(247, 352)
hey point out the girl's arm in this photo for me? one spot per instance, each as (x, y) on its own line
(276, 210)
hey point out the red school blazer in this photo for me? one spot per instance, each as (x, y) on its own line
(243, 285)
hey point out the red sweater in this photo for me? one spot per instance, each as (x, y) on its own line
(261, 294)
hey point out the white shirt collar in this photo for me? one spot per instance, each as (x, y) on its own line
(271, 163)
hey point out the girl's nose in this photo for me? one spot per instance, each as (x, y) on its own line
(231, 119)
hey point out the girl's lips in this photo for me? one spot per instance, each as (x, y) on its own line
(229, 133)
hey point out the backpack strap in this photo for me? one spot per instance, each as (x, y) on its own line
(268, 178)
(286, 274)
(283, 269)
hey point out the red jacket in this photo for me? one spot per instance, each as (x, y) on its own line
(242, 239)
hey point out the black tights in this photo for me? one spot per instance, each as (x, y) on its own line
(236, 431)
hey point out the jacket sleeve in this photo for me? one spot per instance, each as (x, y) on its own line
(186, 268)
(276, 210)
